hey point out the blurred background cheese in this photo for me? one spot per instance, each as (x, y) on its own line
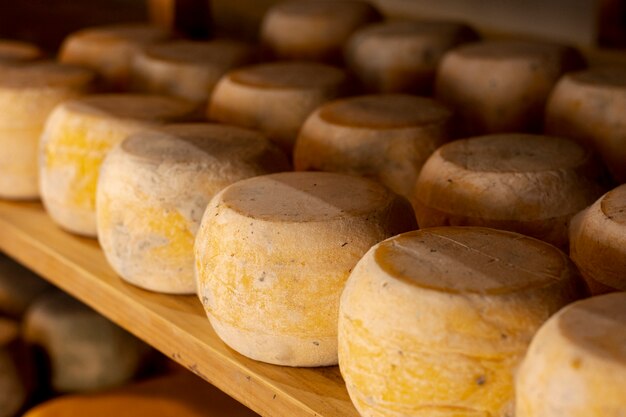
(19, 287)
(434, 322)
(576, 364)
(77, 137)
(154, 187)
(12, 51)
(529, 184)
(14, 388)
(385, 137)
(273, 254)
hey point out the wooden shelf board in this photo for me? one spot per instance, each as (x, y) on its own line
(175, 325)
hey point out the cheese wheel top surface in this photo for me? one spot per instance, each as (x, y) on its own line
(133, 32)
(308, 10)
(411, 29)
(614, 205)
(43, 75)
(221, 51)
(9, 331)
(131, 106)
(609, 77)
(289, 75)
(471, 260)
(12, 51)
(509, 50)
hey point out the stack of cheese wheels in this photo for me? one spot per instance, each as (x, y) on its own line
(14, 387)
(434, 322)
(384, 137)
(19, 287)
(281, 247)
(85, 351)
(77, 137)
(598, 242)
(500, 86)
(275, 98)
(17, 51)
(402, 56)
(589, 106)
(188, 69)
(28, 93)
(528, 184)
(313, 30)
(109, 50)
(576, 364)
(154, 188)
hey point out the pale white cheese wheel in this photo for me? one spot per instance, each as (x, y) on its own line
(78, 135)
(383, 137)
(313, 30)
(188, 69)
(598, 242)
(502, 86)
(14, 387)
(109, 50)
(19, 287)
(85, 351)
(529, 184)
(403, 56)
(12, 51)
(28, 93)
(154, 187)
(273, 254)
(434, 322)
(275, 98)
(589, 106)
(576, 364)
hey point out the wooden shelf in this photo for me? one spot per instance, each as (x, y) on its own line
(175, 325)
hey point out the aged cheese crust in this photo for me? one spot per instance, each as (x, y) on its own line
(12, 51)
(273, 254)
(434, 322)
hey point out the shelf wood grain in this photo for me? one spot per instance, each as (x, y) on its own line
(175, 325)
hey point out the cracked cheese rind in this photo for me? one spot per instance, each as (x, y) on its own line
(434, 322)
(14, 51)
(528, 184)
(14, 384)
(576, 364)
(154, 188)
(77, 137)
(273, 254)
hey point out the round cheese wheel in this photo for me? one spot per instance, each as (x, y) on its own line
(402, 56)
(109, 50)
(576, 364)
(17, 51)
(77, 137)
(28, 93)
(154, 188)
(19, 287)
(500, 86)
(384, 137)
(528, 184)
(280, 247)
(275, 98)
(434, 322)
(187, 69)
(589, 106)
(13, 380)
(313, 30)
(598, 242)
(85, 351)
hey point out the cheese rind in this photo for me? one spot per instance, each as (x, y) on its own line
(12, 51)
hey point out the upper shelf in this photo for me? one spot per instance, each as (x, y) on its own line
(175, 325)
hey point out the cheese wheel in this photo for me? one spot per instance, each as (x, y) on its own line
(275, 98)
(384, 137)
(77, 137)
(12, 51)
(109, 50)
(402, 56)
(500, 86)
(28, 93)
(280, 247)
(313, 30)
(85, 351)
(598, 242)
(576, 364)
(589, 106)
(154, 187)
(528, 184)
(13, 383)
(434, 322)
(19, 287)
(187, 69)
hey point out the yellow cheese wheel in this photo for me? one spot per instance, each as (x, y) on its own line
(19, 287)
(502, 86)
(576, 364)
(598, 242)
(78, 135)
(14, 390)
(154, 187)
(384, 137)
(434, 322)
(275, 98)
(529, 184)
(273, 254)
(403, 56)
(589, 106)
(17, 51)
